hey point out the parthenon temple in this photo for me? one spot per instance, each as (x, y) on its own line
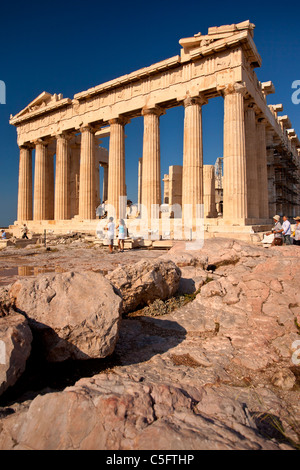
(60, 139)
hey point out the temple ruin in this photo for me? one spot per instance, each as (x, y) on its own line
(261, 151)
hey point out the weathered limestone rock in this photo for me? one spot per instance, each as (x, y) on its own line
(76, 315)
(108, 412)
(145, 281)
(15, 347)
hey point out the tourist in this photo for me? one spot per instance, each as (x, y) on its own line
(110, 233)
(286, 226)
(296, 234)
(3, 234)
(25, 231)
(277, 231)
(122, 235)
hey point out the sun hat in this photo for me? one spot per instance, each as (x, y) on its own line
(276, 217)
(297, 218)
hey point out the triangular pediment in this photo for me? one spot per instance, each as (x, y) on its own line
(41, 101)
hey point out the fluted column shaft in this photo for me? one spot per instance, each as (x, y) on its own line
(62, 178)
(151, 184)
(192, 171)
(40, 182)
(262, 170)
(209, 191)
(116, 170)
(251, 162)
(234, 180)
(25, 184)
(105, 183)
(271, 174)
(87, 190)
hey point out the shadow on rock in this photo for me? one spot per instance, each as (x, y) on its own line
(142, 338)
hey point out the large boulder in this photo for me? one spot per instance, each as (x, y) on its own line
(74, 315)
(143, 282)
(15, 347)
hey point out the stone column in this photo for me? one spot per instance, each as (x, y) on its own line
(87, 190)
(262, 171)
(166, 189)
(25, 184)
(234, 179)
(271, 173)
(192, 170)
(40, 181)
(50, 184)
(74, 175)
(105, 182)
(251, 161)
(209, 191)
(62, 178)
(151, 183)
(116, 170)
(140, 175)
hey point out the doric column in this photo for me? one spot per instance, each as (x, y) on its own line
(209, 191)
(40, 181)
(234, 180)
(74, 175)
(116, 170)
(151, 183)
(251, 161)
(62, 178)
(50, 183)
(25, 184)
(166, 189)
(192, 170)
(271, 173)
(140, 183)
(87, 190)
(262, 171)
(105, 182)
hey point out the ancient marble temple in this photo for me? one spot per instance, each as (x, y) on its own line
(257, 143)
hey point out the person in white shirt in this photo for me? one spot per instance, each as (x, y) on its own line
(110, 234)
(286, 226)
(296, 234)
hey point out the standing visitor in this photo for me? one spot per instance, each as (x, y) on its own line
(122, 236)
(277, 230)
(3, 234)
(296, 235)
(286, 230)
(110, 234)
(25, 231)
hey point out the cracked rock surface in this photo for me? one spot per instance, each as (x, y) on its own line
(214, 373)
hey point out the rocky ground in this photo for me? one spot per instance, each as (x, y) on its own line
(198, 348)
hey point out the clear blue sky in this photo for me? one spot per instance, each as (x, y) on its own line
(68, 46)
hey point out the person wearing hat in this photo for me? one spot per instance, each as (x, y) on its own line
(277, 230)
(296, 237)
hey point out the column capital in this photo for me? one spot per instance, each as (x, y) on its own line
(157, 110)
(250, 104)
(42, 141)
(192, 100)
(27, 146)
(65, 135)
(87, 128)
(122, 120)
(233, 88)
